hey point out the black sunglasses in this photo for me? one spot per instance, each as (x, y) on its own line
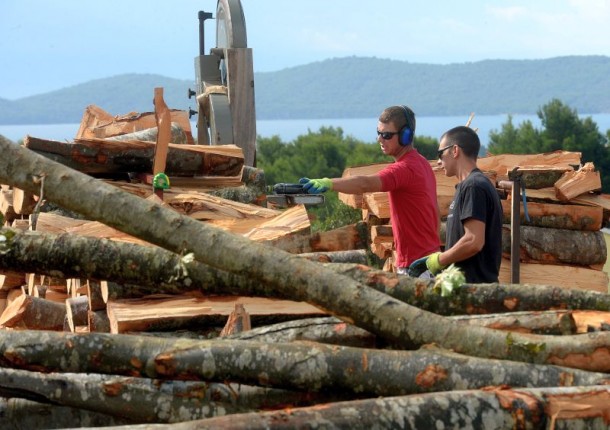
(387, 135)
(440, 151)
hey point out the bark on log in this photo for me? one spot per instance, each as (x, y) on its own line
(299, 365)
(555, 246)
(323, 330)
(559, 322)
(19, 413)
(76, 312)
(142, 400)
(98, 322)
(151, 270)
(497, 408)
(34, 313)
(178, 136)
(566, 217)
(286, 275)
(100, 156)
(356, 256)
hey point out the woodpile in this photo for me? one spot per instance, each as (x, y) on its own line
(561, 242)
(193, 311)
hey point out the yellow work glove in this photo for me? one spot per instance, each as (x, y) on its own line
(429, 262)
(316, 186)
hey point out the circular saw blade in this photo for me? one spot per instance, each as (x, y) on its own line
(230, 25)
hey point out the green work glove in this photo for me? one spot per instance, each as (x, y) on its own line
(316, 186)
(429, 262)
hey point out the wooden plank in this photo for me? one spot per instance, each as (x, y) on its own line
(559, 275)
(164, 135)
(155, 313)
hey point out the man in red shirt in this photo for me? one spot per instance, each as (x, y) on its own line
(410, 184)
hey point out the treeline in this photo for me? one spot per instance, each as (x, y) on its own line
(327, 153)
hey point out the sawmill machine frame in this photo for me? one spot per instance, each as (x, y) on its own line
(225, 83)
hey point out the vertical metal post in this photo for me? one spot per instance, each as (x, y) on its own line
(202, 17)
(515, 230)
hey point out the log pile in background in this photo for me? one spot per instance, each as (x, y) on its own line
(91, 374)
(561, 242)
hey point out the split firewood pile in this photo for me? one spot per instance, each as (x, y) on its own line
(132, 307)
(562, 212)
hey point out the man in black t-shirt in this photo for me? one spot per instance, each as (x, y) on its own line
(474, 224)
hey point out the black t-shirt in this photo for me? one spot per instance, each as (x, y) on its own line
(476, 198)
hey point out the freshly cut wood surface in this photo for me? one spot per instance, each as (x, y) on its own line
(504, 163)
(573, 184)
(96, 122)
(146, 313)
(558, 275)
(378, 203)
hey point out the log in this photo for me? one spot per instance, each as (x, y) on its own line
(505, 163)
(282, 273)
(149, 270)
(565, 217)
(356, 256)
(305, 365)
(499, 408)
(536, 177)
(19, 413)
(573, 184)
(34, 313)
(99, 156)
(77, 312)
(323, 330)
(142, 400)
(98, 322)
(97, 123)
(349, 237)
(556, 322)
(557, 246)
(177, 135)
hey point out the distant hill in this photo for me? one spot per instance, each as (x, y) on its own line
(352, 87)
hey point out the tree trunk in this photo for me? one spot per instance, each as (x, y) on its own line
(554, 246)
(34, 313)
(178, 136)
(18, 413)
(356, 256)
(498, 408)
(323, 330)
(100, 156)
(144, 270)
(284, 274)
(304, 365)
(140, 400)
(546, 322)
(551, 215)
(76, 312)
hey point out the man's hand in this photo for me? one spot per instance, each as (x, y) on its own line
(429, 262)
(316, 186)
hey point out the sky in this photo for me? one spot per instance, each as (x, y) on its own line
(48, 45)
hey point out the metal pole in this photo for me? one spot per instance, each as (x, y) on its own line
(515, 230)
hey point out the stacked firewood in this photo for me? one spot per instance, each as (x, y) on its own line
(382, 351)
(562, 213)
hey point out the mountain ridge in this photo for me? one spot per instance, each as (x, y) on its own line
(350, 87)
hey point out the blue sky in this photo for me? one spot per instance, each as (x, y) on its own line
(47, 45)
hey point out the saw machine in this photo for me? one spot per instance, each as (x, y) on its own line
(225, 83)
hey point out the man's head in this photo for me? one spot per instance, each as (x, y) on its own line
(458, 148)
(403, 120)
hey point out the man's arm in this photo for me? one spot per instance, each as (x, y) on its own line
(471, 243)
(357, 184)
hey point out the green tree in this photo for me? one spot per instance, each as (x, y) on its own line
(562, 129)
